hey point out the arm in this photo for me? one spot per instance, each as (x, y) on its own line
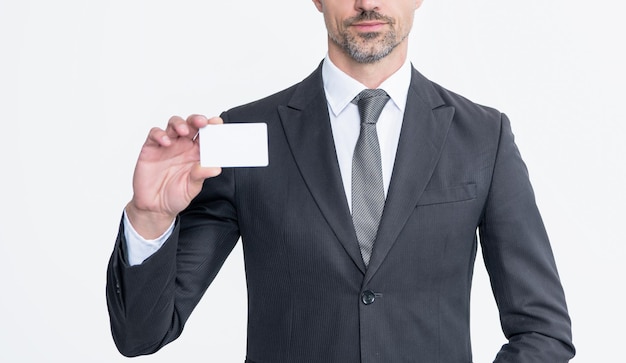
(521, 266)
(150, 303)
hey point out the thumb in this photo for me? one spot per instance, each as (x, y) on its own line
(199, 173)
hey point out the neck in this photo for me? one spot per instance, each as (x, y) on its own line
(372, 75)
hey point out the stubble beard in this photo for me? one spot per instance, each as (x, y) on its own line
(367, 47)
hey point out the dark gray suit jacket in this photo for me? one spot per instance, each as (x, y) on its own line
(310, 297)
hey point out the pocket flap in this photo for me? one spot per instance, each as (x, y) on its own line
(448, 195)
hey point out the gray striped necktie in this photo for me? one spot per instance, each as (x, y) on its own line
(368, 195)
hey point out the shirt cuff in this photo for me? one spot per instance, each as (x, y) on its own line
(139, 248)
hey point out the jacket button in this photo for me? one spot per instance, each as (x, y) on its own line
(368, 297)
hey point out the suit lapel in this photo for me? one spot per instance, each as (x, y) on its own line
(422, 137)
(307, 128)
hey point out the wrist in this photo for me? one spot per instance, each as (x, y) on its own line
(148, 224)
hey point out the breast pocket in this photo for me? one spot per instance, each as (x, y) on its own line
(448, 195)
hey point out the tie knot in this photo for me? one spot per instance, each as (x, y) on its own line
(371, 103)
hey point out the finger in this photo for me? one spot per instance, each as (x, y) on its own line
(177, 127)
(215, 121)
(195, 122)
(157, 136)
(199, 121)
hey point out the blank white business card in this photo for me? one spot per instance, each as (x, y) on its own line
(234, 145)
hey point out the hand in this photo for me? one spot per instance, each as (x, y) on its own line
(168, 175)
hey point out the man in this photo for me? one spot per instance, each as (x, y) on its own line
(360, 236)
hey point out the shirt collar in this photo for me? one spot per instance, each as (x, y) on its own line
(341, 89)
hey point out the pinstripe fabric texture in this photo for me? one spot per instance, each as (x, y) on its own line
(368, 195)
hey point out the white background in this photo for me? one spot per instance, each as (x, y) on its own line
(82, 82)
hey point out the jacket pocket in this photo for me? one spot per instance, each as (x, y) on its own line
(448, 195)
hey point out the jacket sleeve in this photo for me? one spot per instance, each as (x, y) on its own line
(149, 303)
(521, 265)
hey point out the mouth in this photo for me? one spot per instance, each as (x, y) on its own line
(369, 21)
(369, 26)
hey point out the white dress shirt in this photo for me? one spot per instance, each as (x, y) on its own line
(345, 123)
